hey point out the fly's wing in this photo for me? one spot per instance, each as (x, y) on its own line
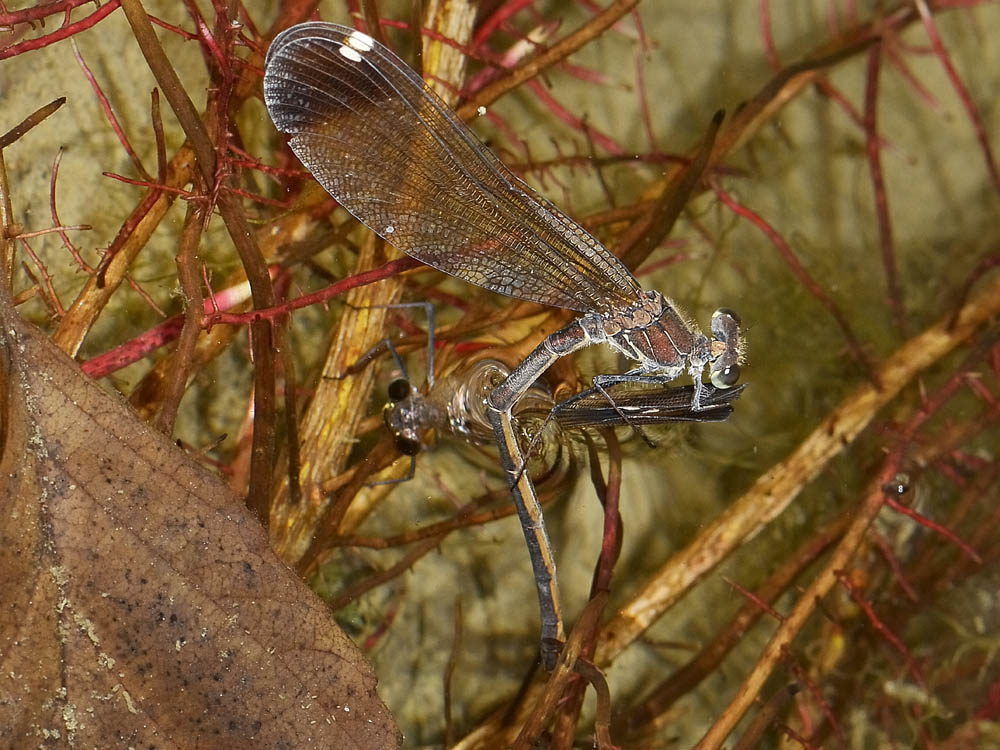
(648, 406)
(396, 156)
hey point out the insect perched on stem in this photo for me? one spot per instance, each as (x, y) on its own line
(397, 157)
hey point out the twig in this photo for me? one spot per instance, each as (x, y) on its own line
(874, 153)
(262, 463)
(561, 49)
(190, 280)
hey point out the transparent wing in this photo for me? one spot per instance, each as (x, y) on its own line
(396, 156)
(644, 406)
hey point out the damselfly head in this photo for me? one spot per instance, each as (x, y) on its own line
(727, 348)
(398, 417)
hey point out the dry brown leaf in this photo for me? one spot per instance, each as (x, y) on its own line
(140, 604)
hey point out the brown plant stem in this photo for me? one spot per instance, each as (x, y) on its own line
(263, 452)
(190, 280)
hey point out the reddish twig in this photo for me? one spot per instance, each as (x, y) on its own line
(880, 626)
(182, 33)
(64, 32)
(39, 12)
(213, 312)
(609, 493)
(156, 186)
(935, 527)
(642, 97)
(53, 298)
(874, 153)
(755, 600)
(785, 250)
(561, 49)
(963, 93)
(805, 679)
(109, 113)
(897, 570)
(770, 51)
(351, 593)
(500, 15)
(67, 242)
(560, 112)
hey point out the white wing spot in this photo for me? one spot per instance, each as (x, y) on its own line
(351, 54)
(389, 229)
(481, 111)
(361, 41)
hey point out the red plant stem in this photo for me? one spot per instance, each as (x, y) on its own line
(894, 52)
(897, 570)
(770, 52)
(352, 592)
(109, 113)
(982, 267)
(284, 205)
(609, 493)
(137, 215)
(542, 61)
(220, 64)
(465, 517)
(755, 600)
(39, 12)
(183, 33)
(785, 250)
(359, 279)
(599, 138)
(880, 626)
(67, 243)
(46, 277)
(804, 678)
(961, 90)
(831, 91)
(643, 99)
(139, 347)
(933, 526)
(501, 14)
(611, 541)
(63, 32)
(155, 186)
(383, 627)
(874, 153)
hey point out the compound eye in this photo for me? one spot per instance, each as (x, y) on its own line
(406, 445)
(398, 390)
(727, 377)
(726, 326)
(729, 313)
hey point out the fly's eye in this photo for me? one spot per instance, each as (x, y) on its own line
(727, 377)
(406, 445)
(398, 390)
